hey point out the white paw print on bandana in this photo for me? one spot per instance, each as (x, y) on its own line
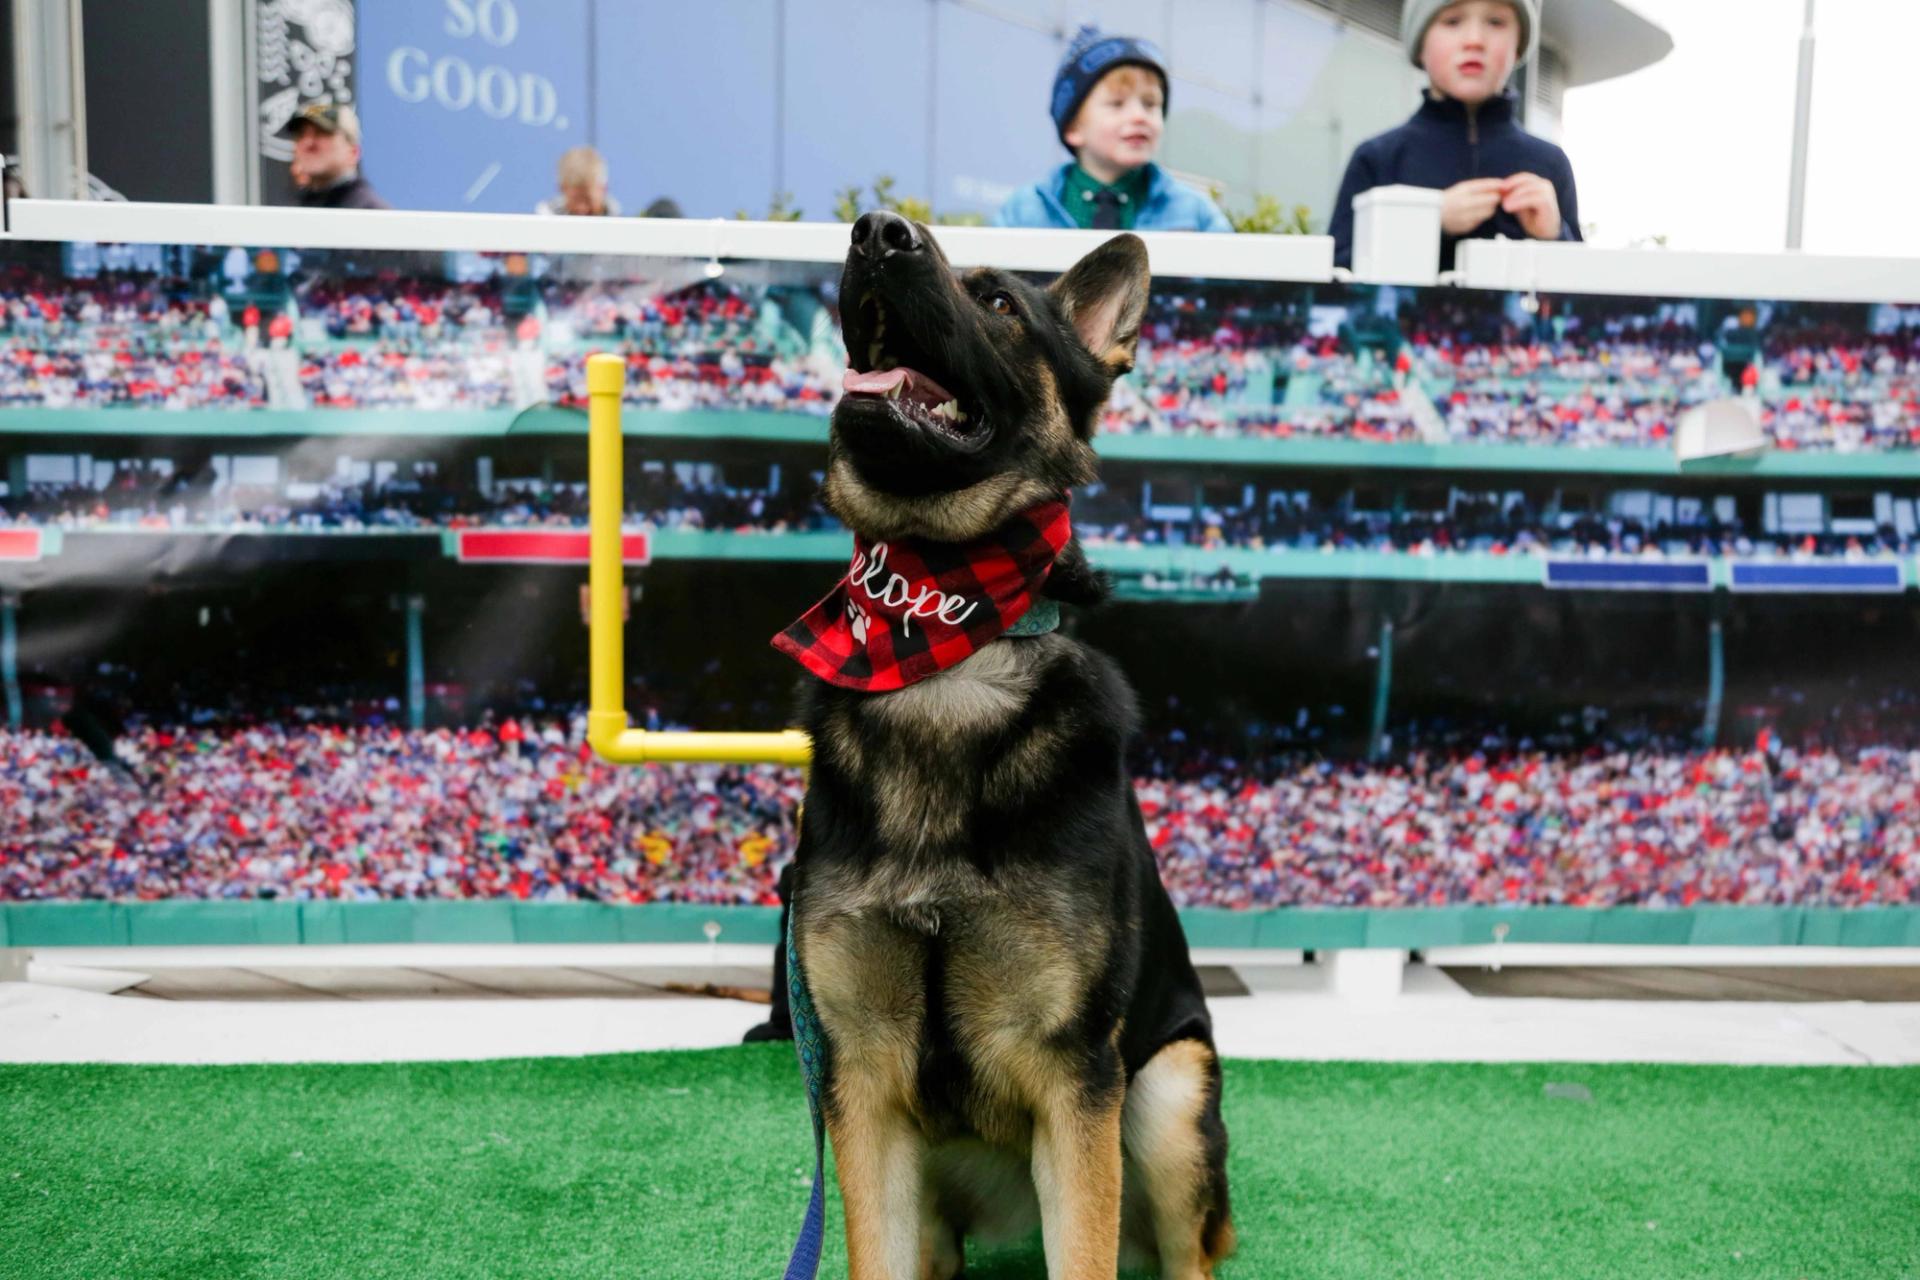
(859, 617)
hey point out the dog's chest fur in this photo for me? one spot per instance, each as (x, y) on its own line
(924, 759)
(925, 944)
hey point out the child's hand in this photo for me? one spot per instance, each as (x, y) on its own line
(1465, 205)
(1531, 198)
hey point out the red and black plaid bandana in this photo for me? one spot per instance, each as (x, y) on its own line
(909, 608)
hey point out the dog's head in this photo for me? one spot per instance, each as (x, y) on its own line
(971, 397)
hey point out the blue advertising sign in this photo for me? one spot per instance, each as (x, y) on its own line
(831, 138)
(686, 104)
(1881, 577)
(992, 133)
(466, 105)
(1628, 575)
(724, 105)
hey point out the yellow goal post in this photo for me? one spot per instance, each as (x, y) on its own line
(612, 739)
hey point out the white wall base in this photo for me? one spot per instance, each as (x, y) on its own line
(1366, 973)
(1588, 955)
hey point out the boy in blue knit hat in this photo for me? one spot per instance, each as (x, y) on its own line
(1109, 108)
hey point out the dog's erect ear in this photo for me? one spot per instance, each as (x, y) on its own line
(1105, 296)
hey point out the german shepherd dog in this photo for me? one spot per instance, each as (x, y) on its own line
(1013, 1029)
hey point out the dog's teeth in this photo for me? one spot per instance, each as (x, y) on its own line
(873, 352)
(893, 392)
(950, 410)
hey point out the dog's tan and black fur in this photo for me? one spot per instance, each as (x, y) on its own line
(1014, 1029)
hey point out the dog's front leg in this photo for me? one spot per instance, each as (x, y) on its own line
(864, 975)
(880, 1154)
(1076, 1171)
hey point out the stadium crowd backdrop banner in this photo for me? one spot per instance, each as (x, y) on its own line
(294, 547)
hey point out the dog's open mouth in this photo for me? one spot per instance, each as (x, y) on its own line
(892, 368)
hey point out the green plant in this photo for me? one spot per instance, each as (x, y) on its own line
(851, 202)
(780, 210)
(1268, 216)
(906, 206)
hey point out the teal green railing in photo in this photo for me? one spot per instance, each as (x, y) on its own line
(102, 924)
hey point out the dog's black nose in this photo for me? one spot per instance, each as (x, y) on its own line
(880, 233)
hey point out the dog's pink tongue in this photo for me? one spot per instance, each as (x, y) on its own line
(919, 386)
(873, 384)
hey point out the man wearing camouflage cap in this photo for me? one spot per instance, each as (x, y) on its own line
(326, 158)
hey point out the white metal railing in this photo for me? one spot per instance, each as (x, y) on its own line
(1173, 253)
(1517, 265)
(1559, 267)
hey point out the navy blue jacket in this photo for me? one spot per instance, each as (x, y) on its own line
(1445, 143)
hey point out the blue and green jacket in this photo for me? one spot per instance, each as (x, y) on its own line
(1169, 205)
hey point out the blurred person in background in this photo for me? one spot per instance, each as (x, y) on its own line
(583, 190)
(326, 159)
(583, 187)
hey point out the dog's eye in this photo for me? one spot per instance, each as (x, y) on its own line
(1002, 304)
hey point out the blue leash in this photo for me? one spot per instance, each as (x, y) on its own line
(805, 1262)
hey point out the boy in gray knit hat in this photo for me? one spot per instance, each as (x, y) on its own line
(1496, 178)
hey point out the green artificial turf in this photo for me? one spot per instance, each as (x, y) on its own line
(694, 1164)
